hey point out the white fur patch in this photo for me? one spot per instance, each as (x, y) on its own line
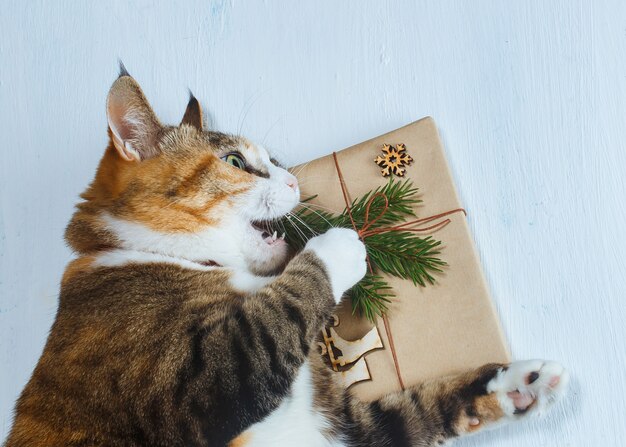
(213, 244)
(343, 254)
(295, 422)
(549, 386)
(118, 257)
(244, 281)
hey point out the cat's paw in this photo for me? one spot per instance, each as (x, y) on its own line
(528, 387)
(343, 255)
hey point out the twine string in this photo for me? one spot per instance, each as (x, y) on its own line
(366, 231)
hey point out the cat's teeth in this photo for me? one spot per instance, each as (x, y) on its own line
(274, 235)
(282, 236)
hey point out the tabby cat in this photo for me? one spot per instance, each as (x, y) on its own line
(185, 321)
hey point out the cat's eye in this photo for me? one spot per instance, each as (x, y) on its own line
(236, 160)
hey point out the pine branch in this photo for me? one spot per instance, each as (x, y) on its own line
(405, 255)
(398, 253)
(370, 296)
(401, 196)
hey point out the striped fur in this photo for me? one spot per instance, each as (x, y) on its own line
(181, 323)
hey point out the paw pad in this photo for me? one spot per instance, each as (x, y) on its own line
(529, 386)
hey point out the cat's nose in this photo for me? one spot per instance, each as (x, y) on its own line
(292, 182)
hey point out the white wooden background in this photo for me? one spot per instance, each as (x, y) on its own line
(530, 98)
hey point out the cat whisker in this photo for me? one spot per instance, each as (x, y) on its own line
(313, 232)
(282, 225)
(252, 101)
(270, 129)
(299, 223)
(301, 168)
(297, 228)
(325, 180)
(321, 207)
(306, 206)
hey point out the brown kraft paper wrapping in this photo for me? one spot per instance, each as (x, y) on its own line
(439, 329)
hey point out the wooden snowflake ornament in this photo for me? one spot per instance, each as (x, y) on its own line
(393, 160)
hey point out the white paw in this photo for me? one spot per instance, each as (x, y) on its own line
(529, 387)
(343, 254)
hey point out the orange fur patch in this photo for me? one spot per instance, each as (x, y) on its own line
(29, 430)
(76, 266)
(241, 440)
(167, 193)
(488, 407)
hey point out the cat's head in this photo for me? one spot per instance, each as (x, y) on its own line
(182, 191)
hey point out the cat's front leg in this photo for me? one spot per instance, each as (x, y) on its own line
(255, 347)
(498, 394)
(443, 409)
(309, 288)
(295, 305)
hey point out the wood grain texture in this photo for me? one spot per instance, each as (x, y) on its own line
(530, 98)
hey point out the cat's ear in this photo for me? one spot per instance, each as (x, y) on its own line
(193, 113)
(134, 126)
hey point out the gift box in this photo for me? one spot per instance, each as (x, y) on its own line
(429, 331)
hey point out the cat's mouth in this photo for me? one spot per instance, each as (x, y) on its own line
(266, 231)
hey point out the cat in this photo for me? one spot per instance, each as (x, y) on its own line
(186, 321)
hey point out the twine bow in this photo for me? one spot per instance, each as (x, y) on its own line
(366, 230)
